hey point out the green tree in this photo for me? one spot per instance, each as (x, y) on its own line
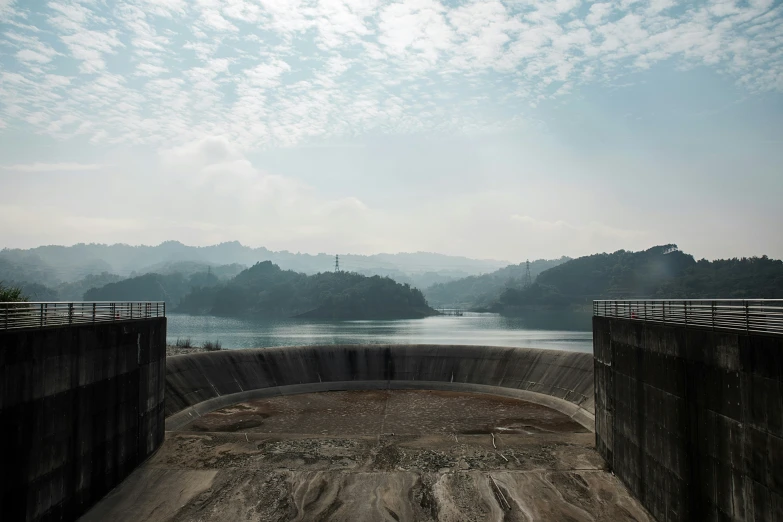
(11, 294)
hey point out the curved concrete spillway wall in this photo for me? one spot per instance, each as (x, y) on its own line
(202, 382)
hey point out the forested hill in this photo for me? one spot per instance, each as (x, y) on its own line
(482, 290)
(661, 272)
(264, 290)
(152, 287)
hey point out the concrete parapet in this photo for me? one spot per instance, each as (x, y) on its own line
(80, 407)
(690, 419)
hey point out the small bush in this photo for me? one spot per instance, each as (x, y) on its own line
(213, 347)
(10, 294)
(184, 343)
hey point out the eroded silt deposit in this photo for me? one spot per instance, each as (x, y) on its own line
(373, 455)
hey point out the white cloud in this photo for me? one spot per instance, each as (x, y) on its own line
(151, 70)
(28, 55)
(267, 74)
(592, 227)
(240, 201)
(285, 72)
(52, 167)
(598, 12)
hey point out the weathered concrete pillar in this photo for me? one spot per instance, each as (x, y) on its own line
(80, 407)
(691, 419)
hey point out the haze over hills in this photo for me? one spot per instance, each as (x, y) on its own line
(483, 290)
(202, 285)
(53, 265)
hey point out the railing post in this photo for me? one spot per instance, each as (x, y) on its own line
(7, 308)
(93, 312)
(42, 314)
(747, 316)
(686, 313)
(113, 313)
(713, 315)
(70, 313)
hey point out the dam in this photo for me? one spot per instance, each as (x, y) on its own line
(398, 432)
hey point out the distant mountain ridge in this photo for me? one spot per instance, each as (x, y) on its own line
(51, 265)
(482, 290)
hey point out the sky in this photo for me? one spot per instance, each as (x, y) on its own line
(491, 129)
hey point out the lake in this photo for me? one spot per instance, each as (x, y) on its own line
(471, 328)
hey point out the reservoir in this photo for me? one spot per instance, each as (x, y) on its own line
(468, 329)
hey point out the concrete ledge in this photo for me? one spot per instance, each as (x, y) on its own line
(179, 420)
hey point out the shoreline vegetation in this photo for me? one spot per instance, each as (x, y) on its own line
(184, 346)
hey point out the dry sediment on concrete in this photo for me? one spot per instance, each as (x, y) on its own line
(376, 432)
(393, 455)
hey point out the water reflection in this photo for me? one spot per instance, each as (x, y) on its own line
(472, 329)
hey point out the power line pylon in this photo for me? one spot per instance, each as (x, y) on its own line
(528, 280)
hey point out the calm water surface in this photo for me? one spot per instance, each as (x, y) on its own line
(474, 329)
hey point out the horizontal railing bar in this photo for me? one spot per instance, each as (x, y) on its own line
(757, 315)
(688, 301)
(39, 314)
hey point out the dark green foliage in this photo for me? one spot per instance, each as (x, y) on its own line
(152, 287)
(26, 268)
(265, 290)
(745, 278)
(149, 287)
(190, 268)
(481, 291)
(38, 292)
(75, 291)
(213, 347)
(658, 273)
(11, 294)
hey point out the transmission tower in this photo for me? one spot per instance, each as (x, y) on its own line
(528, 280)
(337, 263)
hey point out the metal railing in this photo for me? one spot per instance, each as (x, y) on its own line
(37, 315)
(749, 315)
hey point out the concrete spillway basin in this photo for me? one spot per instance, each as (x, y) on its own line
(370, 433)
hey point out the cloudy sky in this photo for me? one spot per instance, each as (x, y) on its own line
(493, 129)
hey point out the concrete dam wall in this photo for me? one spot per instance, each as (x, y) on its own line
(691, 419)
(202, 382)
(80, 407)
